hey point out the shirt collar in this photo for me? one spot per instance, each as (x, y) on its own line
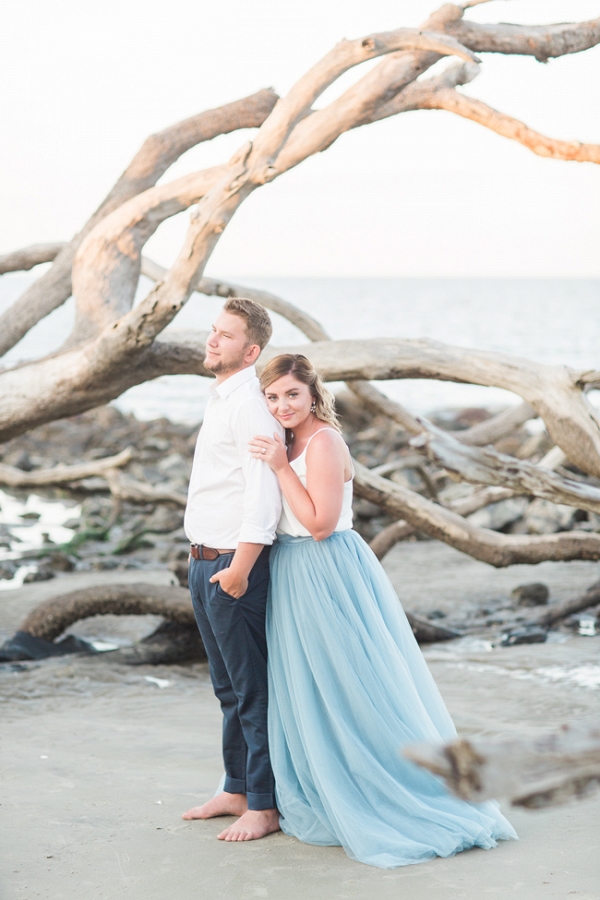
(235, 381)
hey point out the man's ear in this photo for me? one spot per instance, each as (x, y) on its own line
(252, 354)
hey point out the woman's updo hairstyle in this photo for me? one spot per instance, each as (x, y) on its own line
(301, 368)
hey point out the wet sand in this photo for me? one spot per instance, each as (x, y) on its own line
(98, 762)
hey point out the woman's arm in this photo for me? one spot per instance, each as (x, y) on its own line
(318, 506)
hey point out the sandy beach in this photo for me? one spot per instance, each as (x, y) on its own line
(99, 760)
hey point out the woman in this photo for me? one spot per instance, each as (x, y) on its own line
(348, 685)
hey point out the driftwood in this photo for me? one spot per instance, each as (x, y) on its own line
(14, 477)
(53, 616)
(487, 466)
(560, 611)
(544, 772)
(156, 155)
(115, 345)
(28, 257)
(172, 642)
(443, 524)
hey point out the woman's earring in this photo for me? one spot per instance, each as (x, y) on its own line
(313, 406)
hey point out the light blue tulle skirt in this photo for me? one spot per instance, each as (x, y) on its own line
(348, 687)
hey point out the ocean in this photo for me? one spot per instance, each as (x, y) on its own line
(554, 321)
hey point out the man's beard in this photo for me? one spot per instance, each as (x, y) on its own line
(222, 368)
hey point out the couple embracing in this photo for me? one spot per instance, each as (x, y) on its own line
(313, 728)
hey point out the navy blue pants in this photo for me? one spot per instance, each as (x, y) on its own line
(233, 632)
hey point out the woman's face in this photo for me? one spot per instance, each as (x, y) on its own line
(289, 400)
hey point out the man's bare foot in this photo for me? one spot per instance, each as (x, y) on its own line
(252, 825)
(224, 804)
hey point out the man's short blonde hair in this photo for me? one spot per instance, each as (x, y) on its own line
(258, 322)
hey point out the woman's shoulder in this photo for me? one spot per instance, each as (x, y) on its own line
(326, 438)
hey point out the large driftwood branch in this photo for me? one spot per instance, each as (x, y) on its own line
(252, 166)
(156, 155)
(359, 104)
(70, 383)
(108, 263)
(487, 466)
(544, 772)
(551, 390)
(508, 127)
(49, 619)
(554, 614)
(542, 41)
(15, 477)
(498, 550)
(28, 257)
(392, 534)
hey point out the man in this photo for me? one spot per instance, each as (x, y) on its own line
(231, 516)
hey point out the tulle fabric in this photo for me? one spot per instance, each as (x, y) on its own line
(348, 687)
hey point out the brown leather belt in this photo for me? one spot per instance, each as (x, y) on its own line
(199, 551)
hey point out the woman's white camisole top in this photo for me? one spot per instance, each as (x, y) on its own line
(289, 524)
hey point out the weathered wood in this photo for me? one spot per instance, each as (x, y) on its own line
(509, 127)
(392, 534)
(123, 487)
(498, 550)
(389, 536)
(542, 41)
(535, 774)
(107, 267)
(115, 346)
(555, 613)
(497, 427)
(14, 477)
(53, 616)
(487, 466)
(156, 155)
(28, 257)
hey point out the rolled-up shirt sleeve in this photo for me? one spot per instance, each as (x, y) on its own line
(262, 495)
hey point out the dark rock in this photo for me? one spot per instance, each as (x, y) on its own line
(60, 562)
(21, 460)
(25, 646)
(532, 635)
(8, 569)
(436, 614)
(170, 643)
(73, 524)
(427, 633)
(41, 573)
(30, 515)
(534, 594)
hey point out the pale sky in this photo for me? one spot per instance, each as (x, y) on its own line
(422, 194)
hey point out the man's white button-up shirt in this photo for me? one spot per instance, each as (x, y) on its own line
(233, 497)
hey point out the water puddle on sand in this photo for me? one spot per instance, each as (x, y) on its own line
(31, 524)
(586, 676)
